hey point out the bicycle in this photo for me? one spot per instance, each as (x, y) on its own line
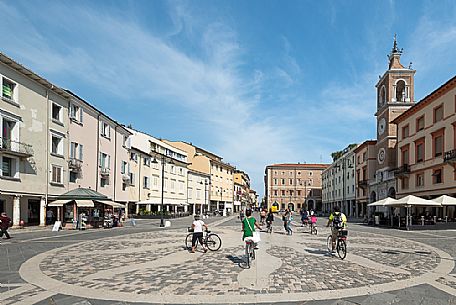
(341, 244)
(313, 228)
(211, 240)
(249, 250)
(269, 227)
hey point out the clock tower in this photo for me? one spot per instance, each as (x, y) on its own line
(394, 97)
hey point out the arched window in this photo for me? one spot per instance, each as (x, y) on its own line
(400, 91)
(382, 96)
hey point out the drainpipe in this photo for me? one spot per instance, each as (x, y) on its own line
(115, 161)
(98, 152)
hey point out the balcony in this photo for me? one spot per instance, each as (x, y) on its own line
(363, 184)
(450, 157)
(402, 171)
(104, 171)
(15, 148)
(75, 165)
(126, 178)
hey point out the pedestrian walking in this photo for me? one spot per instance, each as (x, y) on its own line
(49, 216)
(197, 226)
(5, 223)
(287, 222)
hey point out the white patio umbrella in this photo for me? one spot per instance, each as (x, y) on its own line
(382, 202)
(445, 200)
(410, 200)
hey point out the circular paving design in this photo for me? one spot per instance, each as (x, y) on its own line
(155, 267)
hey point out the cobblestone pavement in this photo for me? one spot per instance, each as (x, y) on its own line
(151, 265)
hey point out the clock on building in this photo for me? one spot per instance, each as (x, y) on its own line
(381, 126)
(381, 156)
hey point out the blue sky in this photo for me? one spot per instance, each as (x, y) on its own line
(257, 82)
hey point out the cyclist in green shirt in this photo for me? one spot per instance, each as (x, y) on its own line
(248, 224)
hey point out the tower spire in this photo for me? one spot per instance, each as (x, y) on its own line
(395, 55)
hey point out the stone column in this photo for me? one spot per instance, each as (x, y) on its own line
(148, 207)
(42, 212)
(185, 208)
(16, 210)
(194, 209)
(137, 209)
(126, 210)
(59, 212)
(159, 207)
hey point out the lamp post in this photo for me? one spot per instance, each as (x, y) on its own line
(163, 159)
(206, 183)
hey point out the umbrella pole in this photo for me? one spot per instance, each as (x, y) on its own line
(406, 218)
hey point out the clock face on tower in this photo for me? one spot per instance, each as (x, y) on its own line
(381, 126)
(381, 156)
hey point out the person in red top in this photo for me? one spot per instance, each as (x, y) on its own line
(5, 222)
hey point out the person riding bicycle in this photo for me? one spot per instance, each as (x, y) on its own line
(248, 224)
(263, 216)
(197, 226)
(338, 220)
(269, 218)
(304, 217)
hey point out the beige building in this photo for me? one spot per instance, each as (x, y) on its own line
(158, 175)
(198, 197)
(338, 181)
(221, 184)
(34, 142)
(365, 156)
(426, 151)
(242, 190)
(294, 186)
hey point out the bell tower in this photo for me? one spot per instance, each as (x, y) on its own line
(395, 94)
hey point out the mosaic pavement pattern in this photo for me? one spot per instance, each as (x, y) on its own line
(157, 264)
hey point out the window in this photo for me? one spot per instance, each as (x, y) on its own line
(8, 89)
(275, 181)
(146, 182)
(56, 113)
(275, 193)
(401, 93)
(310, 174)
(419, 149)
(283, 181)
(405, 183)
(73, 176)
(190, 191)
(419, 179)
(420, 123)
(405, 131)
(9, 167)
(437, 143)
(105, 130)
(104, 182)
(405, 155)
(291, 181)
(132, 178)
(364, 156)
(56, 174)
(76, 151)
(299, 193)
(105, 161)
(283, 193)
(146, 161)
(76, 113)
(438, 114)
(57, 145)
(156, 182)
(134, 156)
(437, 176)
(124, 168)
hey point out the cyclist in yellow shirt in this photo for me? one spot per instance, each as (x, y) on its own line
(339, 222)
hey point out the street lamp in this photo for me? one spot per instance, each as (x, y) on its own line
(163, 159)
(206, 183)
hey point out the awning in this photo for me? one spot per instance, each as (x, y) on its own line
(57, 203)
(113, 204)
(167, 201)
(445, 200)
(382, 202)
(411, 200)
(85, 203)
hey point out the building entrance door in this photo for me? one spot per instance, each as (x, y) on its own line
(33, 212)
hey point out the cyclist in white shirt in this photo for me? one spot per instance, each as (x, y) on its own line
(197, 226)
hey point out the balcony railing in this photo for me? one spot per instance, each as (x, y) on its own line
(126, 177)
(16, 148)
(450, 156)
(75, 164)
(402, 171)
(363, 183)
(104, 171)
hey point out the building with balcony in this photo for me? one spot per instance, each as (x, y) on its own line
(294, 186)
(198, 192)
(221, 187)
(158, 173)
(338, 182)
(365, 163)
(426, 151)
(242, 190)
(33, 142)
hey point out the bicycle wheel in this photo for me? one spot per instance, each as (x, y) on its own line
(315, 230)
(247, 254)
(213, 242)
(329, 243)
(252, 251)
(188, 241)
(341, 248)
